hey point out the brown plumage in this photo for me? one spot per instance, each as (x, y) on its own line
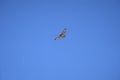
(62, 35)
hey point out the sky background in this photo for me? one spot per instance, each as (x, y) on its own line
(90, 51)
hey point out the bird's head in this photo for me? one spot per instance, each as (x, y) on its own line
(65, 28)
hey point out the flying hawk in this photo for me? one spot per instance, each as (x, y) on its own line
(62, 35)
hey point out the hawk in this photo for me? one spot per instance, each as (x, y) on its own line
(62, 35)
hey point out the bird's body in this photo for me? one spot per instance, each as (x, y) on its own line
(62, 35)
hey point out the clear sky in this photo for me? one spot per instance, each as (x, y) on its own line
(90, 51)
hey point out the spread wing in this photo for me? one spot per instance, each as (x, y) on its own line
(62, 35)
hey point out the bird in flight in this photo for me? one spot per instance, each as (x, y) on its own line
(62, 35)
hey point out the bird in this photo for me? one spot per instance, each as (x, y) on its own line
(62, 35)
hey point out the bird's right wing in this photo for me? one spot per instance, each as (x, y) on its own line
(58, 37)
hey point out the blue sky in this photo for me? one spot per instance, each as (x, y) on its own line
(90, 51)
